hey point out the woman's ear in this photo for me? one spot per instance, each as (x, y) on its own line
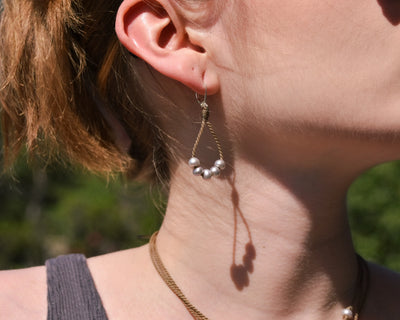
(156, 33)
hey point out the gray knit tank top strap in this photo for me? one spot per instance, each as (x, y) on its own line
(71, 292)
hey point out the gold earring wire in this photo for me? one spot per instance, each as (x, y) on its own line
(194, 162)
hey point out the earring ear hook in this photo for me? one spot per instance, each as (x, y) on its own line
(204, 97)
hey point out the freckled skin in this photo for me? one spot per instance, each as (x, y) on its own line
(329, 67)
(305, 96)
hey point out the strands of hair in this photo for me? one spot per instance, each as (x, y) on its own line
(59, 61)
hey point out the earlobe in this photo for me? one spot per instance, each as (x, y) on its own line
(154, 32)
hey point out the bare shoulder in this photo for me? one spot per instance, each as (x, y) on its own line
(383, 298)
(126, 281)
(23, 294)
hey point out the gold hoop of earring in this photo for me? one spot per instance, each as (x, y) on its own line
(194, 162)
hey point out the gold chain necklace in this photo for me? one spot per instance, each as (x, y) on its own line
(350, 313)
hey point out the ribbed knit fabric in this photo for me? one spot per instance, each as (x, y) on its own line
(71, 292)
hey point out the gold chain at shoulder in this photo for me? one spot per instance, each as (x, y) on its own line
(362, 284)
(155, 257)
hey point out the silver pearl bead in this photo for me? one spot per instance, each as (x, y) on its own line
(207, 174)
(215, 171)
(194, 162)
(220, 164)
(348, 313)
(198, 171)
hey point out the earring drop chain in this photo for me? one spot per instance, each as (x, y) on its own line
(194, 162)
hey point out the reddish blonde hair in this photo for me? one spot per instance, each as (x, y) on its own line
(62, 69)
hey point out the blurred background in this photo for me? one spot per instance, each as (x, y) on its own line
(45, 213)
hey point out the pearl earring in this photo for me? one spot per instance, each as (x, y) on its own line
(194, 162)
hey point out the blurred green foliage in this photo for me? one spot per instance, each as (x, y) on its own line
(374, 207)
(55, 211)
(47, 213)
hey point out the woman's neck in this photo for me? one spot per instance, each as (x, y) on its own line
(260, 243)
